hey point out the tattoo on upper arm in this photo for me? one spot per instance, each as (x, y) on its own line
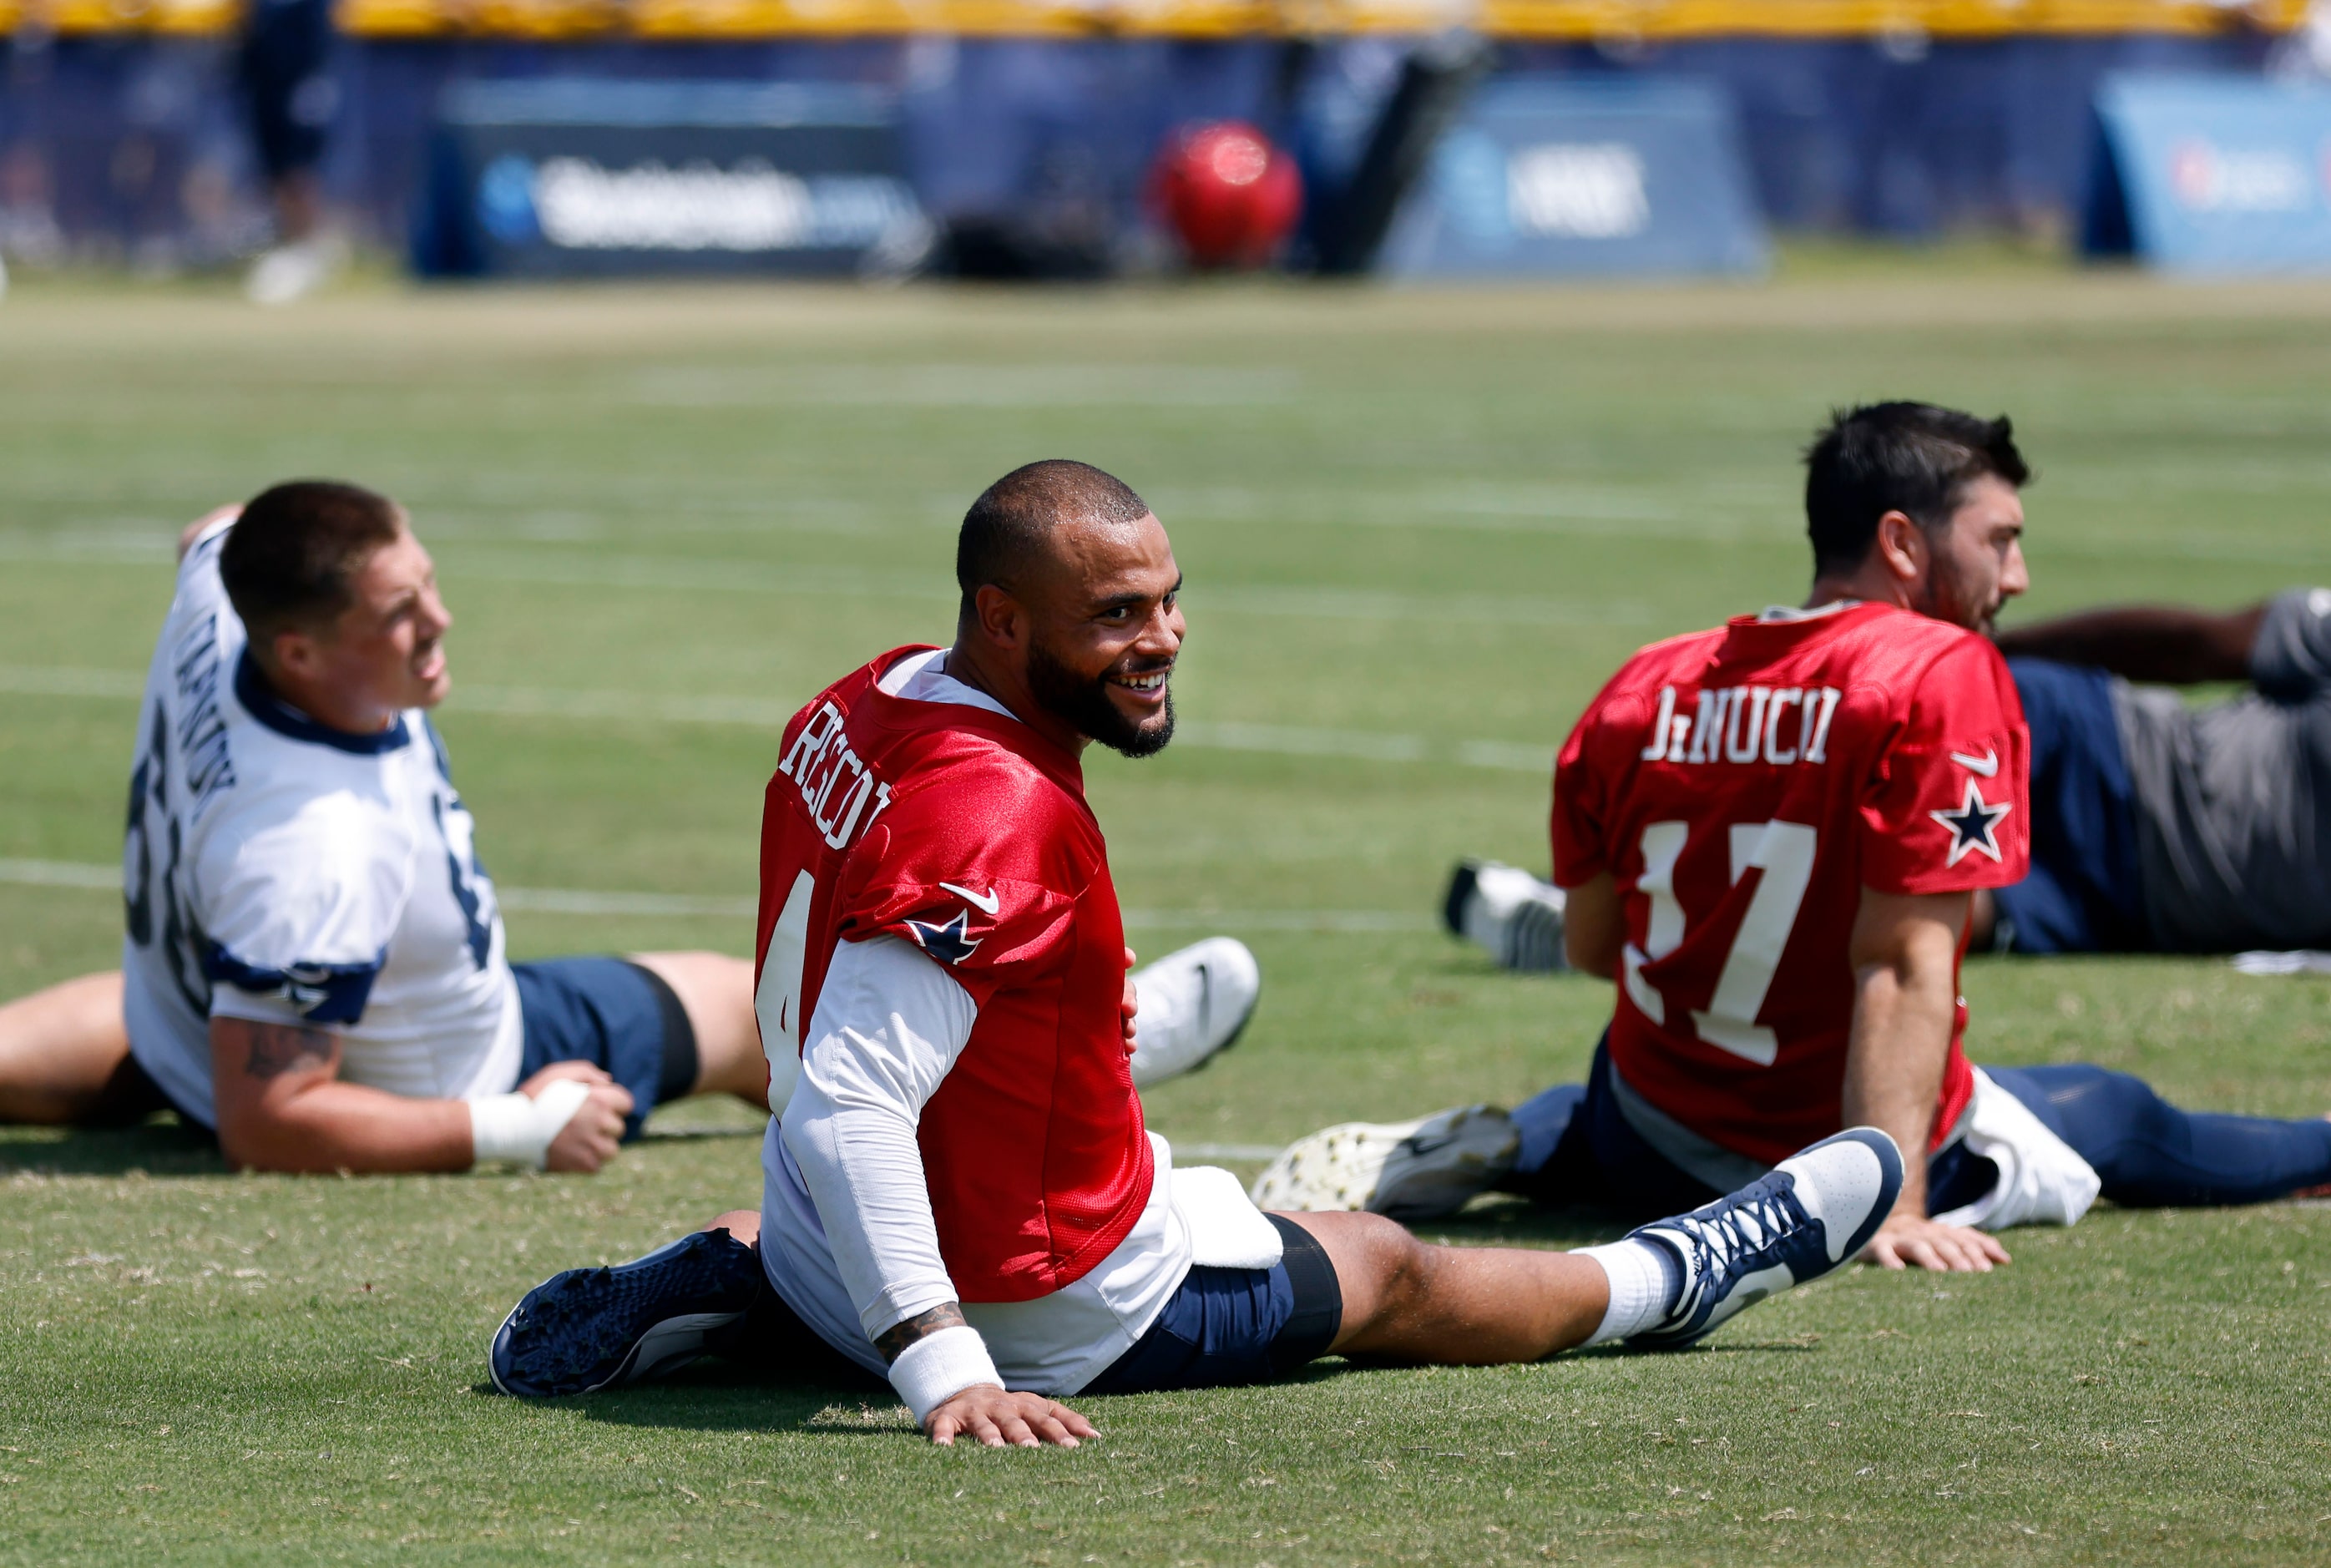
(892, 1341)
(277, 1048)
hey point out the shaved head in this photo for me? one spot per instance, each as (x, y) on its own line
(1070, 614)
(1011, 526)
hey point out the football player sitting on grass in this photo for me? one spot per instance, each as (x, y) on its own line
(1772, 836)
(314, 963)
(960, 1193)
(2157, 825)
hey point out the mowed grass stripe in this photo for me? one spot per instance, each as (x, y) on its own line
(696, 575)
(91, 878)
(535, 702)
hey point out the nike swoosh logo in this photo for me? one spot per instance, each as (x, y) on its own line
(987, 903)
(1983, 766)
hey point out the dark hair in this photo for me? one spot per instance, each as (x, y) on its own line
(1012, 516)
(288, 559)
(1912, 458)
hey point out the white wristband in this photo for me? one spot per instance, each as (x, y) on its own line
(938, 1366)
(519, 1128)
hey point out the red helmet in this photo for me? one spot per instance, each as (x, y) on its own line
(1233, 198)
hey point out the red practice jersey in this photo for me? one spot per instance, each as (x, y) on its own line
(1742, 786)
(966, 832)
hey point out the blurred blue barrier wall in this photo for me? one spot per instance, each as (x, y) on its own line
(566, 178)
(2208, 175)
(133, 146)
(1559, 175)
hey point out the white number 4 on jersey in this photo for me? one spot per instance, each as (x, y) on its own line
(776, 1000)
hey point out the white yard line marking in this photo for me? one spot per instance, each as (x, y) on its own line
(948, 385)
(703, 574)
(1225, 1151)
(60, 874)
(97, 879)
(581, 901)
(35, 681)
(1283, 740)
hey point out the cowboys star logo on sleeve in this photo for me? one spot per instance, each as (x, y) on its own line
(1974, 824)
(949, 942)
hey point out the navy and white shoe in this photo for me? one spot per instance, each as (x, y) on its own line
(1194, 1004)
(592, 1328)
(1813, 1211)
(1506, 910)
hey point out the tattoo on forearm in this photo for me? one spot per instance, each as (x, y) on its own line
(893, 1341)
(277, 1048)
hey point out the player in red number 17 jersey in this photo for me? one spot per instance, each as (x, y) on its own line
(1769, 835)
(1740, 788)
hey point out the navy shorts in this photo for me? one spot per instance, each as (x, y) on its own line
(1578, 1147)
(1226, 1326)
(614, 1014)
(2082, 893)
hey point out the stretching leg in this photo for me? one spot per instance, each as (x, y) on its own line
(1406, 1300)
(717, 992)
(64, 1053)
(2151, 1155)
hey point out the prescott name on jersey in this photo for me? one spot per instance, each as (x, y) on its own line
(964, 831)
(1742, 786)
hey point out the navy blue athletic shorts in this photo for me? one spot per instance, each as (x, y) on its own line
(1577, 1146)
(614, 1014)
(2082, 893)
(1226, 1326)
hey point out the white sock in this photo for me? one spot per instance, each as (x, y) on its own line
(1645, 1280)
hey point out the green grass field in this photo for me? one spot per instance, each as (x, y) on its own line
(1419, 531)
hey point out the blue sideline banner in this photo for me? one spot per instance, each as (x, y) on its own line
(2213, 175)
(1556, 177)
(552, 178)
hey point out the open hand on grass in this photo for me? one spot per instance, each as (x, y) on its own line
(1001, 1419)
(1913, 1241)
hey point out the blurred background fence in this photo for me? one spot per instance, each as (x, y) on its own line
(122, 135)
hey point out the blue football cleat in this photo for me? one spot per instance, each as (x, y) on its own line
(589, 1329)
(1815, 1210)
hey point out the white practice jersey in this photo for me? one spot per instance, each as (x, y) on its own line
(278, 871)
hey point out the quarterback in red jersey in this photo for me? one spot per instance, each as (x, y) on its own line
(1769, 836)
(960, 1196)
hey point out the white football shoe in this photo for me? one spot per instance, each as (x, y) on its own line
(1409, 1170)
(1194, 1005)
(1504, 909)
(295, 270)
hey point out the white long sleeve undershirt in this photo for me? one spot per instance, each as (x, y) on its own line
(889, 1024)
(847, 1232)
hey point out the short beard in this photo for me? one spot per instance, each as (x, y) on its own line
(1948, 599)
(1085, 705)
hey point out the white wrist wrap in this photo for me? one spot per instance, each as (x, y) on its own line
(938, 1366)
(519, 1128)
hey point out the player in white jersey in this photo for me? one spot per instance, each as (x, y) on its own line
(314, 962)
